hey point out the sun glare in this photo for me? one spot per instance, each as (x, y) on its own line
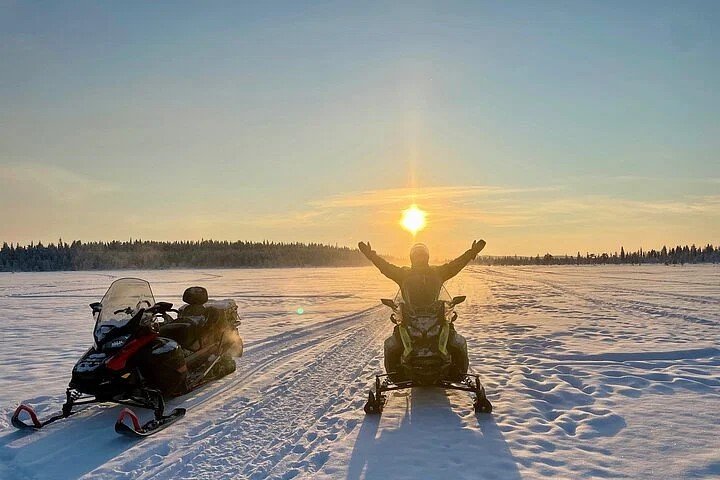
(413, 219)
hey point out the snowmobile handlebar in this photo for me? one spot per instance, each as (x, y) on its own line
(159, 307)
(458, 300)
(396, 308)
(391, 303)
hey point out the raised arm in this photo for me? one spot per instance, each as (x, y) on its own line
(393, 272)
(453, 267)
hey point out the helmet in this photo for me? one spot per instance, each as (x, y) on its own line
(419, 255)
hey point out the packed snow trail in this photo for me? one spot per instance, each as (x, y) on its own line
(593, 371)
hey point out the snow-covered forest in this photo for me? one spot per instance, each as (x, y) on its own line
(668, 256)
(149, 254)
(37, 257)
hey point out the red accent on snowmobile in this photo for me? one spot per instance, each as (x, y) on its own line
(33, 416)
(118, 361)
(126, 412)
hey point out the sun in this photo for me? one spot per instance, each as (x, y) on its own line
(413, 219)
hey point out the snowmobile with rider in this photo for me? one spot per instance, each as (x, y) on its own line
(425, 349)
(141, 355)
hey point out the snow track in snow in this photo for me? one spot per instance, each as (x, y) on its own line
(245, 423)
(299, 380)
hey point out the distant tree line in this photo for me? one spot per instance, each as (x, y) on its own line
(140, 255)
(156, 255)
(678, 255)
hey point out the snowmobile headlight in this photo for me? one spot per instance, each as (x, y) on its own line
(116, 343)
(415, 332)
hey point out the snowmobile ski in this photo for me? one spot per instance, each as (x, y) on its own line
(150, 428)
(374, 405)
(37, 424)
(469, 383)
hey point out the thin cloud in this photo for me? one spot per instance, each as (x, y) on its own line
(432, 194)
(502, 207)
(499, 207)
(60, 184)
(552, 210)
(647, 179)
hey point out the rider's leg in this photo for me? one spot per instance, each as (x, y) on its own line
(393, 352)
(457, 346)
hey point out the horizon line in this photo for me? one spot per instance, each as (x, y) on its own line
(340, 246)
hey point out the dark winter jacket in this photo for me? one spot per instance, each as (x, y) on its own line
(421, 284)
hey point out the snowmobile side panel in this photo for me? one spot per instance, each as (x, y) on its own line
(443, 338)
(163, 366)
(407, 342)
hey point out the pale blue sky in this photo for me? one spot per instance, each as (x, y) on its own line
(541, 126)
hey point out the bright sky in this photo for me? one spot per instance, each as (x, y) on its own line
(538, 126)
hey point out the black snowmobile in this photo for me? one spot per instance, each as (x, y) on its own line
(424, 327)
(142, 355)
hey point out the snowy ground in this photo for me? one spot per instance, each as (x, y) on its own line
(594, 372)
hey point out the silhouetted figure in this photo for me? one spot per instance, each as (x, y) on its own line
(420, 285)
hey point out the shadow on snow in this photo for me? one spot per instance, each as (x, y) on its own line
(430, 440)
(70, 449)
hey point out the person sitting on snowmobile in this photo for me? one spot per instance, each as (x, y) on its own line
(420, 284)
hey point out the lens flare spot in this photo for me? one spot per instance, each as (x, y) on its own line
(300, 310)
(413, 219)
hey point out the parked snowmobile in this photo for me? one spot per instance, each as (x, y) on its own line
(142, 355)
(424, 326)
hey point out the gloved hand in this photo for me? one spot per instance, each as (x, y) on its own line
(365, 248)
(477, 246)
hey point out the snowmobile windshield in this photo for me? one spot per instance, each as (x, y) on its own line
(123, 300)
(421, 292)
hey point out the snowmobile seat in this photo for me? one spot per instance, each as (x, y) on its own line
(195, 314)
(192, 318)
(183, 333)
(194, 311)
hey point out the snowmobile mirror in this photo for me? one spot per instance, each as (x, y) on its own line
(96, 307)
(458, 300)
(389, 303)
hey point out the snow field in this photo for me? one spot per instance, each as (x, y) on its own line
(594, 372)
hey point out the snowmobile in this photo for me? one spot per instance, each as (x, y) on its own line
(425, 326)
(141, 355)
